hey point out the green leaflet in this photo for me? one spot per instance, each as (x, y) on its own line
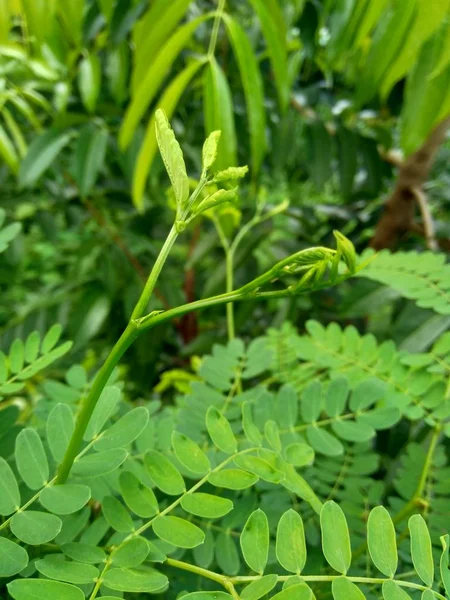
(335, 537)
(13, 558)
(41, 589)
(220, 431)
(135, 580)
(124, 431)
(343, 589)
(65, 499)
(31, 459)
(9, 490)
(116, 515)
(421, 550)
(35, 527)
(206, 505)
(444, 568)
(84, 553)
(137, 496)
(103, 410)
(59, 427)
(179, 532)
(381, 541)
(100, 463)
(392, 591)
(164, 474)
(132, 553)
(233, 479)
(259, 588)
(190, 454)
(295, 592)
(208, 596)
(291, 544)
(54, 566)
(255, 541)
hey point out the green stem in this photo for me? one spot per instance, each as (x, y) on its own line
(143, 301)
(215, 29)
(123, 343)
(230, 308)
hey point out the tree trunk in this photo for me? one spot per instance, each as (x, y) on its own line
(399, 211)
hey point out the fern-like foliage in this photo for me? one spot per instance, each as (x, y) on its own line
(422, 277)
(26, 359)
(414, 389)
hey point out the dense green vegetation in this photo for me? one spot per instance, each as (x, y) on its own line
(225, 299)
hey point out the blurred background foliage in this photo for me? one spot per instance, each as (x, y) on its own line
(323, 99)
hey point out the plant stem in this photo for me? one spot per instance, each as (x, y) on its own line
(118, 350)
(215, 29)
(230, 308)
(142, 303)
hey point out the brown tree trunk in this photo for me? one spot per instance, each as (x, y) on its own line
(399, 211)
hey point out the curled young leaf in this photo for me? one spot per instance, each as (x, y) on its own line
(230, 174)
(209, 152)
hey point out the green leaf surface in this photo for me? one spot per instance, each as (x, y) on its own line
(255, 541)
(9, 490)
(41, 154)
(135, 580)
(90, 154)
(179, 532)
(42, 589)
(138, 497)
(124, 431)
(116, 515)
(343, 589)
(335, 537)
(392, 591)
(253, 89)
(84, 553)
(220, 431)
(381, 541)
(295, 592)
(103, 410)
(290, 542)
(206, 505)
(421, 549)
(34, 527)
(31, 459)
(132, 553)
(259, 588)
(444, 566)
(259, 467)
(233, 479)
(164, 474)
(89, 80)
(13, 558)
(190, 454)
(54, 566)
(65, 499)
(219, 114)
(100, 463)
(59, 427)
